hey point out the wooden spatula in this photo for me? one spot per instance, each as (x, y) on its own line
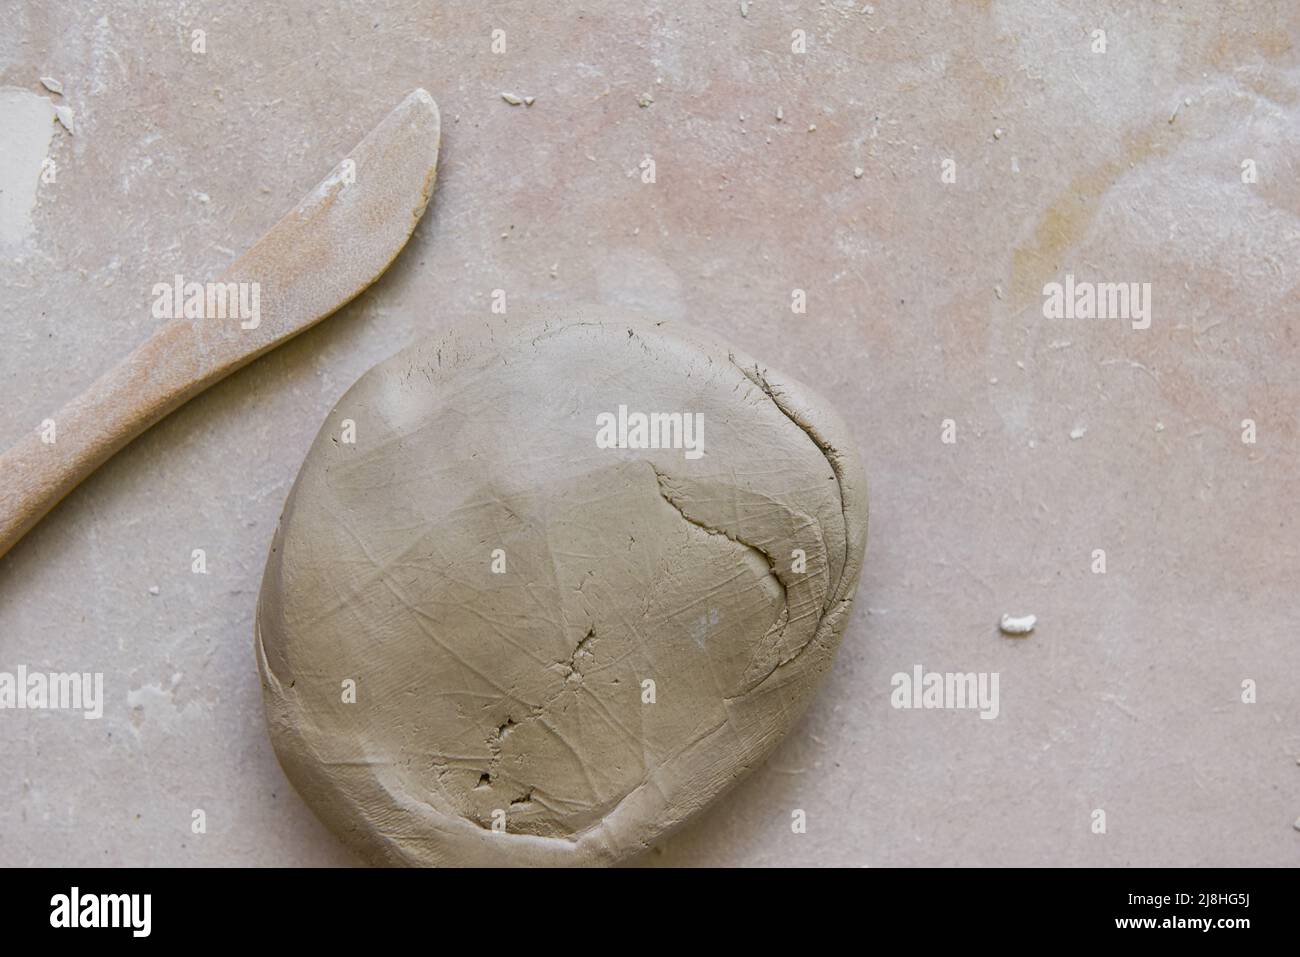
(334, 244)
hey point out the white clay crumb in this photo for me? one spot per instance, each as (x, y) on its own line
(780, 114)
(65, 116)
(812, 128)
(744, 8)
(857, 172)
(644, 100)
(154, 590)
(1022, 625)
(53, 85)
(529, 100)
(511, 99)
(1078, 432)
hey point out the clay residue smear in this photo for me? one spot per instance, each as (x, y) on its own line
(28, 123)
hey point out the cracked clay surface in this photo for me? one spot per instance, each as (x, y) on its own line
(518, 696)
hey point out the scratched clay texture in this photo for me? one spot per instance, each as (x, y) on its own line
(518, 686)
(924, 304)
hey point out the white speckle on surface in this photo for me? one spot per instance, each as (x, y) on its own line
(66, 117)
(857, 172)
(28, 123)
(529, 100)
(1078, 432)
(154, 590)
(53, 85)
(150, 694)
(1017, 625)
(149, 699)
(997, 134)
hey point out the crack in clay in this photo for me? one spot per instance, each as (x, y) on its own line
(504, 729)
(583, 649)
(494, 742)
(785, 661)
(833, 606)
(496, 738)
(664, 483)
(774, 634)
(828, 451)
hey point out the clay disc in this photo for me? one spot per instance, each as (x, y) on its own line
(495, 628)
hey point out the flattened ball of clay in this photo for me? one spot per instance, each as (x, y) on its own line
(558, 651)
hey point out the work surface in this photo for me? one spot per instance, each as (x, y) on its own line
(917, 175)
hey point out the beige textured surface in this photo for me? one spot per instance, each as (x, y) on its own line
(923, 304)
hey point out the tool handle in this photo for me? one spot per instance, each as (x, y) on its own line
(178, 361)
